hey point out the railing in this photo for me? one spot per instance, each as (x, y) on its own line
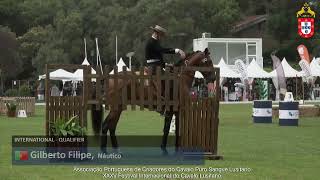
(120, 89)
(23, 103)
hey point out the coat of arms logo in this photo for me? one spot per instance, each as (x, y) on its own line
(306, 21)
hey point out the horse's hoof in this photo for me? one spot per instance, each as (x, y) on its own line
(103, 150)
(116, 151)
(164, 151)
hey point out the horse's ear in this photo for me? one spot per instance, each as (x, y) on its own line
(206, 51)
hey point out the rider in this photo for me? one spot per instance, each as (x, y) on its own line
(154, 51)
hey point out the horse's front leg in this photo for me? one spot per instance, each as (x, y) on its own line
(104, 133)
(112, 128)
(166, 129)
(177, 145)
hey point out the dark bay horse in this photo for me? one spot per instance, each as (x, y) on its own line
(196, 59)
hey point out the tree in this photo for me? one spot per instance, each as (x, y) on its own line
(54, 29)
(40, 12)
(9, 59)
(10, 16)
(29, 44)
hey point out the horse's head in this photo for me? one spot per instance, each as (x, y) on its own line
(201, 59)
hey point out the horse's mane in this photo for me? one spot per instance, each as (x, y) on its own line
(188, 56)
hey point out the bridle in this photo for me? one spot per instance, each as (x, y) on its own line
(187, 63)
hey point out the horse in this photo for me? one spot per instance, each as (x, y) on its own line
(197, 59)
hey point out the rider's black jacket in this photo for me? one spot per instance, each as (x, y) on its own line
(154, 50)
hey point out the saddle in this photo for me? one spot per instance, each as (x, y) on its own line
(146, 72)
(153, 83)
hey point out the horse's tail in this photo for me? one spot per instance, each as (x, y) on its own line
(96, 117)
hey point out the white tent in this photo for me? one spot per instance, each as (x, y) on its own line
(255, 71)
(315, 67)
(120, 64)
(59, 74)
(198, 75)
(78, 74)
(226, 71)
(288, 70)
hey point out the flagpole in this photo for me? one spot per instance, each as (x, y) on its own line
(116, 49)
(85, 47)
(98, 57)
(97, 50)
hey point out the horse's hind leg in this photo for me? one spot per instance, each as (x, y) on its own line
(104, 133)
(112, 127)
(166, 129)
(177, 145)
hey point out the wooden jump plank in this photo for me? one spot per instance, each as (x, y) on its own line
(115, 94)
(210, 125)
(200, 123)
(98, 88)
(124, 95)
(216, 107)
(205, 127)
(133, 84)
(158, 88)
(186, 116)
(141, 88)
(150, 93)
(84, 104)
(195, 126)
(167, 89)
(175, 88)
(106, 79)
(51, 112)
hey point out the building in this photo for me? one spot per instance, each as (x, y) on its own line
(231, 49)
(244, 42)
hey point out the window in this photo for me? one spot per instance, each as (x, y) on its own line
(218, 51)
(230, 51)
(252, 52)
(236, 51)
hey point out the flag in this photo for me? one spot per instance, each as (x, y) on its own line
(280, 73)
(303, 53)
(21, 155)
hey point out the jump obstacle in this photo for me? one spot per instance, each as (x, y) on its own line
(199, 118)
(23, 103)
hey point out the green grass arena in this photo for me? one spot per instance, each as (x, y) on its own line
(271, 151)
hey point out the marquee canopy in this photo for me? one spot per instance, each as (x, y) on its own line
(288, 70)
(198, 75)
(59, 74)
(255, 71)
(78, 74)
(315, 67)
(226, 71)
(120, 65)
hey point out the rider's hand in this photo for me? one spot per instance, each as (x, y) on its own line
(182, 54)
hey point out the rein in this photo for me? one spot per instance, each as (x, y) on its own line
(186, 63)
